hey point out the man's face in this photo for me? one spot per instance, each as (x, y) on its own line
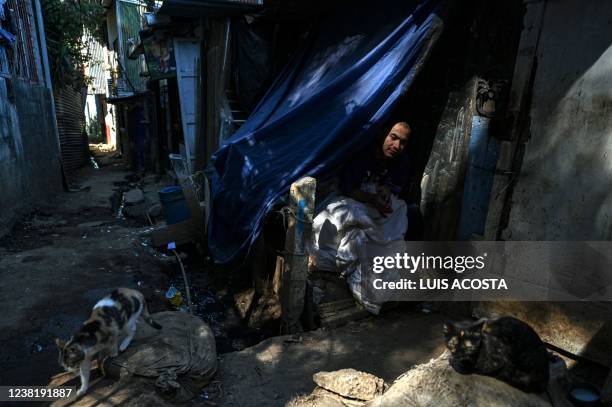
(396, 141)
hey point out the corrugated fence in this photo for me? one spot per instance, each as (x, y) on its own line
(20, 59)
(69, 107)
(129, 24)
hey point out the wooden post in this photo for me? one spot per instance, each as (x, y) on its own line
(200, 135)
(293, 290)
(517, 115)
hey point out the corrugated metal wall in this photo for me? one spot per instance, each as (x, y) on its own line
(69, 108)
(21, 59)
(129, 17)
(95, 66)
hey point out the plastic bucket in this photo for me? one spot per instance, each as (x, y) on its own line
(173, 204)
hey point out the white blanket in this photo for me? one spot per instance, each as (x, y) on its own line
(341, 231)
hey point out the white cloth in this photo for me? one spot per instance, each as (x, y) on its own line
(341, 231)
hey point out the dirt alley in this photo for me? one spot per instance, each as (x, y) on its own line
(62, 258)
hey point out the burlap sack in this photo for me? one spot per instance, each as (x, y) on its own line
(177, 360)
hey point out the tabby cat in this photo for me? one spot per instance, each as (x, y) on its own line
(505, 348)
(108, 331)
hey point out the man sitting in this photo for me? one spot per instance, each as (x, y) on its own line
(367, 210)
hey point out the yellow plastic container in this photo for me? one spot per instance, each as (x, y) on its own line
(174, 296)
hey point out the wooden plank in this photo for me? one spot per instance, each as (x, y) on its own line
(343, 317)
(187, 53)
(334, 306)
(200, 134)
(277, 279)
(180, 233)
(193, 202)
(443, 177)
(517, 113)
(483, 153)
(293, 291)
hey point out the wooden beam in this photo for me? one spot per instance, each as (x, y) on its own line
(295, 273)
(192, 199)
(180, 233)
(338, 313)
(517, 117)
(200, 136)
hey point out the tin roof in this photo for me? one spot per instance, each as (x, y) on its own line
(209, 8)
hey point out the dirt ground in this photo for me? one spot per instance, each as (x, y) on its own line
(60, 259)
(278, 369)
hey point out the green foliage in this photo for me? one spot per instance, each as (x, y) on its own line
(66, 22)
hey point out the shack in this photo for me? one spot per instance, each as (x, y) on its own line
(509, 107)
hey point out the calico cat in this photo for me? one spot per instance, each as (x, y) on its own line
(505, 348)
(108, 331)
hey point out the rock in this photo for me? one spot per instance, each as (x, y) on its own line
(328, 395)
(436, 384)
(137, 211)
(133, 196)
(350, 383)
(315, 400)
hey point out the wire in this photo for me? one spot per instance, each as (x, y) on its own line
(184, 280)
(286, 211)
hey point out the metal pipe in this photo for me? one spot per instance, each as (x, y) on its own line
(42, 41)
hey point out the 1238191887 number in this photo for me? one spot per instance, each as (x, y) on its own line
(35, 393)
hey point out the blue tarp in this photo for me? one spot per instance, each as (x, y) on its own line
(327, 104)
(7, 36)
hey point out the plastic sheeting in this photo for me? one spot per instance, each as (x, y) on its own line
(7, 37)
(253, 62)
(328, 103)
